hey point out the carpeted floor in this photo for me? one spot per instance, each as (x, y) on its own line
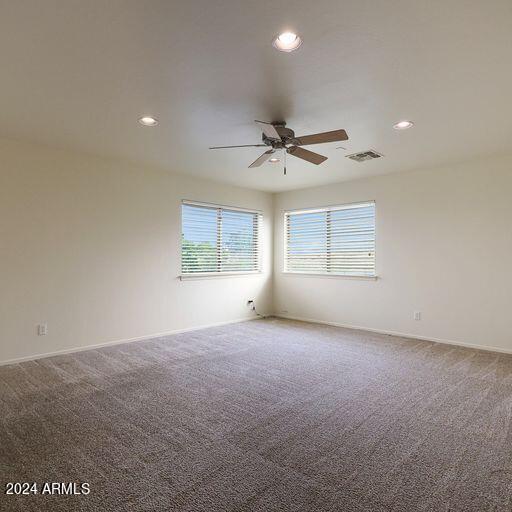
(270, 415)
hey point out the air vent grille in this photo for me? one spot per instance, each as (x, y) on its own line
(363, 156)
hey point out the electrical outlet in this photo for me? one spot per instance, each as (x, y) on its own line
(417, 315)
(250, 303)
(42, 329)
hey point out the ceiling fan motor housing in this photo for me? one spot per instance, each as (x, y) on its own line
(287, 137)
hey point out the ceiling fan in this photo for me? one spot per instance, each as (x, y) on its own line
(278, 137)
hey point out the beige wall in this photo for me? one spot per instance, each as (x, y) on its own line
(444, 247)
(91, 246)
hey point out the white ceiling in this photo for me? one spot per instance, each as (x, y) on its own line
(78, 74)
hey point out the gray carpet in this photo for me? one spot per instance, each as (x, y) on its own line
(270, 415)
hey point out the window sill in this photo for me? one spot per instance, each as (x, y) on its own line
(217, 275)
(329, 276)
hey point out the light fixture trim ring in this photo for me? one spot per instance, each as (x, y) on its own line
(403, 125)
(284, 43)
(148, 121)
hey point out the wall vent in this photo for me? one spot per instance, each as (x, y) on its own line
(363, 156)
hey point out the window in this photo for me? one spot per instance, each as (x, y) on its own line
(218, 240)
(337, 240)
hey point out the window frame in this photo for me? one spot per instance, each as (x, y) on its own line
(219, 274)
(318, 209)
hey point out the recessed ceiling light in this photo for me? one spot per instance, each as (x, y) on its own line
(273, 160)
(403, 125)
(287, 42)
(148, 121)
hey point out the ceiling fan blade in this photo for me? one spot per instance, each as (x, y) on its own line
(320, 138)
(262, 159)
(269, 130)
(242, 146)
(307, 155)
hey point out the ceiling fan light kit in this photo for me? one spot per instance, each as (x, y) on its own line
(278, 137)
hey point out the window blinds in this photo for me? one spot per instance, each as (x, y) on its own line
(337, 240)
(219, 240)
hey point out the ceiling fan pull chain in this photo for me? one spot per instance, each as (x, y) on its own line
(284, 153)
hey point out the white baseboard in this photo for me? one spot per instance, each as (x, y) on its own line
(277, 315)
(400, 334)
(120, 342)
